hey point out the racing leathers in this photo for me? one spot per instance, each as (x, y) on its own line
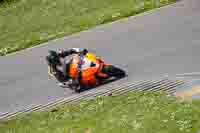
(77, 65)
(59, 63)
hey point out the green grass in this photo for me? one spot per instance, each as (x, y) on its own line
(196, 115)
(137, 112)
(25, 23)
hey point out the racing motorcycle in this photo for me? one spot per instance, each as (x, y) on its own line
(100, 73)
(94, 79)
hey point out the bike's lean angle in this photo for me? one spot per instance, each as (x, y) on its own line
(94, 76)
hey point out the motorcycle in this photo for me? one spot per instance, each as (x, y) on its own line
(96, 75)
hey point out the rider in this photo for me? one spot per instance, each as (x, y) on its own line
(60, 65)
(77, 59)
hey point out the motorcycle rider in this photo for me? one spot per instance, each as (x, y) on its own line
(58, 63)
(77, 58)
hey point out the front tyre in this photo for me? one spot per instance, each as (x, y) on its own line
(75, 86)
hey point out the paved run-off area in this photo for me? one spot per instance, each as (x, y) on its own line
(162, 42)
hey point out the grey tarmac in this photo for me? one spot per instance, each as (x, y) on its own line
(162, 42)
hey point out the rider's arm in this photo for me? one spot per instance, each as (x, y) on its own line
(67, 53)
(72, 51)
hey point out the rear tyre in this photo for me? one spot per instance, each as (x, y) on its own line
(113, 71)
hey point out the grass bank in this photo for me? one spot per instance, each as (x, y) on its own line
(137, 112)
(26, 23)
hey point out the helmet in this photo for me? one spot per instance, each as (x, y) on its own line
(52, 53)
(52, 57)
(91, 57)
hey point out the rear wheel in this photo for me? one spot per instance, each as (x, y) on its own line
(113, 71)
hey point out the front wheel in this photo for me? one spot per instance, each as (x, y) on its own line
(113, 71)
(75, 86)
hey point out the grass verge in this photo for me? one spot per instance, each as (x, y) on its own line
(137, 112)
(26, 23)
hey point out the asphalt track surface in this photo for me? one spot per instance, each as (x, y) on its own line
(149, 46)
